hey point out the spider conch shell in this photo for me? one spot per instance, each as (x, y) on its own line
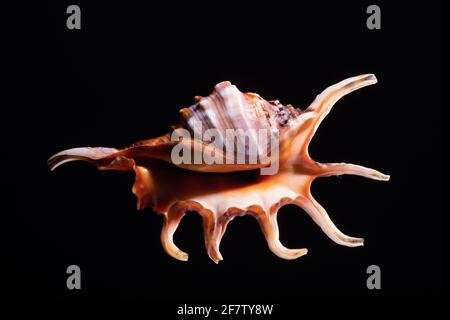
(221, 191)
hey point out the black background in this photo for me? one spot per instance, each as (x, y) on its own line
(123, 77)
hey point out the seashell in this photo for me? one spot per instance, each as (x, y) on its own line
(225, 189)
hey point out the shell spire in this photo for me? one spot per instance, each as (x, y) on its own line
(219, 192)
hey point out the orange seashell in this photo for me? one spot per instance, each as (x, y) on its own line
(227, 188)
